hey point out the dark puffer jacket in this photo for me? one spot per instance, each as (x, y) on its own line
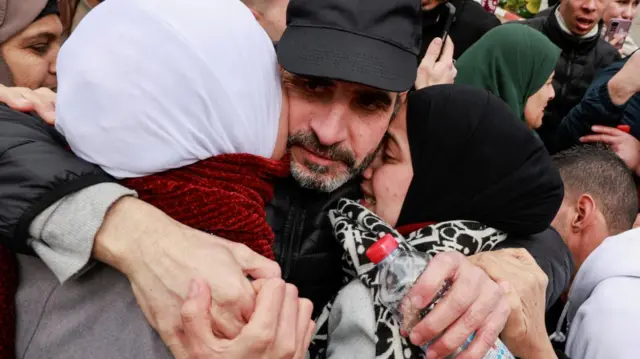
(580, 61)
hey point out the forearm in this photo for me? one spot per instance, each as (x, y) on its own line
(620, 90)
(129, 227)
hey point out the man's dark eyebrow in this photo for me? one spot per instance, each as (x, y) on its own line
(383, 97)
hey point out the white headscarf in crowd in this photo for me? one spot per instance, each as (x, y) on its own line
(146, 86)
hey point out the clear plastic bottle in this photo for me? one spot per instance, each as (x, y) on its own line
(399, 270)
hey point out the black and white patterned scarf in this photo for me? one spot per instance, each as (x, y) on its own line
(357, 229)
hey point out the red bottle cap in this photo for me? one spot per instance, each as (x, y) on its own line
(382, 248)
(624, 128)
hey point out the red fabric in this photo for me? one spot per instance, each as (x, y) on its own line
(8, 287)
(409, 228)
(224, 195)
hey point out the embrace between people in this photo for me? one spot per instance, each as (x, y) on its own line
(200, 118)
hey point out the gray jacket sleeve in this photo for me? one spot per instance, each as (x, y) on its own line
(63, 234)
(352, 324)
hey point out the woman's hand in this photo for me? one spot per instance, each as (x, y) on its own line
(280, 327)
(433, 71)
(623, 144)
(41, 101)
(525, 285)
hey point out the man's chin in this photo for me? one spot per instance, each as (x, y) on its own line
(325, 182)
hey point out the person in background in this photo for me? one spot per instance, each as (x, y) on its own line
(30, 36)
(622, 9)
(611, 100)
(471, 22)
(599, 209)
(515, 63)
(575, 27)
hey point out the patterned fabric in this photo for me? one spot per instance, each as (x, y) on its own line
(357, 229)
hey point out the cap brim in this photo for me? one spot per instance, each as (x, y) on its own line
(342, 55)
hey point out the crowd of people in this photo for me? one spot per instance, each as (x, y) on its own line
(202, 179)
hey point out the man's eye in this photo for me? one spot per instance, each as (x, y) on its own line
(313, 86)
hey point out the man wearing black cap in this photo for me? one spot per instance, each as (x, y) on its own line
(346, 64)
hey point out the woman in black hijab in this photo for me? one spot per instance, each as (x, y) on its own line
(461, 153)
(459, 171)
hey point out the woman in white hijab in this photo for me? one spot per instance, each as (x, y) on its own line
(183, 102)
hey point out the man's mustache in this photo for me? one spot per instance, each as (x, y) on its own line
(310, 141)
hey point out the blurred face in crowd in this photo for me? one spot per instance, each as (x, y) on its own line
(31, 54)
(534, 108)
(581, 16)
(335, 128)
(271, 14)
(621, 9)
(386, 183)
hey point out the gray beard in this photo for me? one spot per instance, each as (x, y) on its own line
(308, 179)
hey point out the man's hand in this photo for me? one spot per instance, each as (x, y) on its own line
(525, 333)
(160, 256)
(626, 82)
(474, 303)
(623, 144)
(442, 72)
(41, 101)
(281, 326)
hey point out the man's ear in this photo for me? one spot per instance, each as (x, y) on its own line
(585, 213)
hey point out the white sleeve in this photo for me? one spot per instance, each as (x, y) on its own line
(607, 324)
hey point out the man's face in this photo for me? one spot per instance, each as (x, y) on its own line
(335, 128)
(581, 16)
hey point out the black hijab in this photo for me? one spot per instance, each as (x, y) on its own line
(474, 159)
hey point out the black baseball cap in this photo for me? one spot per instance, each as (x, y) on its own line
(370, 42)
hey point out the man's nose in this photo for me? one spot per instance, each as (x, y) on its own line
(332, 128)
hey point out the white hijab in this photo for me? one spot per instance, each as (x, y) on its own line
(146, 86)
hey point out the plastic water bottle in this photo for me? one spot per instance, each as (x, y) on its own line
(399, 270)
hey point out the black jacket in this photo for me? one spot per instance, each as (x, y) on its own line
(472, 21)
(36, 170)
(580, 61)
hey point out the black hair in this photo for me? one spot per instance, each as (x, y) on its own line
(598, 171)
